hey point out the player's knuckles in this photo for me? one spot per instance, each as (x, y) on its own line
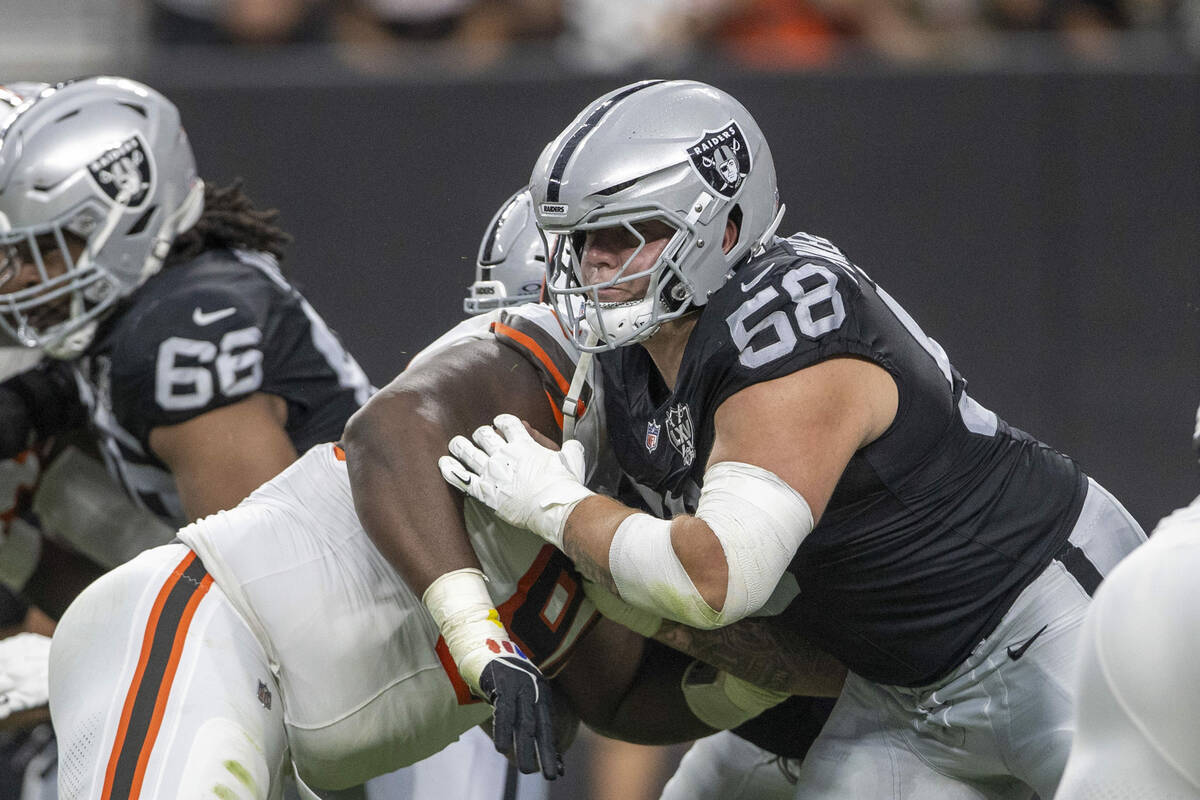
(511, 427)
(462, 449)
(454, 472)
(488, 439)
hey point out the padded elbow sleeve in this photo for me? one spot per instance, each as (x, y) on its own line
(760, 522)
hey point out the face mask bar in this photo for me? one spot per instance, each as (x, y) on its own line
(82, 281)
(596, 325)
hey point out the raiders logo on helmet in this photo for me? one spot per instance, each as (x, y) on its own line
(125, 168)
(722, 158)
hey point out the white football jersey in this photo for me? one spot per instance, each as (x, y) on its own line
(368, 684)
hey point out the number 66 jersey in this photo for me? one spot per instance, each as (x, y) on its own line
(281, 628)
(201, 335)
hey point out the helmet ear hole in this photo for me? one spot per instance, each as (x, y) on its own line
(141, 223)
(735, 216)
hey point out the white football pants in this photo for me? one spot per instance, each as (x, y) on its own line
(1138, 735)
(183, 704)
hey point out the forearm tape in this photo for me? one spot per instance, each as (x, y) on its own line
(470, 624)
(760, 522)
(722, 701)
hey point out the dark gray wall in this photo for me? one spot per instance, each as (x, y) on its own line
(1042, 227)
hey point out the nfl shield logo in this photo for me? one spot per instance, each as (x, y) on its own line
(722, 158)
(652, 431)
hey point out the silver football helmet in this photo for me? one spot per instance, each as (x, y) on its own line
(680, 152)
(97, 176)
(512, 259)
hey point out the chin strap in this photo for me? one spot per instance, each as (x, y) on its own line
(570, 405)
(769, 233)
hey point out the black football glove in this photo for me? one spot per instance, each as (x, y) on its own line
(522, 728)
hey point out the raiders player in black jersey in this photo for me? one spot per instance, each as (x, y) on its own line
(822, 462)
(159, 302)
(174, 348)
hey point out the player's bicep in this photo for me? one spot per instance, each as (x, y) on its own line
(805, 426)
(221, 456)
(393, 442)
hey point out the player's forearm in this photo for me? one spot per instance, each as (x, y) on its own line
(762, 654)
(593, 524)
(628, 688)
(654, 710)
(588, 536)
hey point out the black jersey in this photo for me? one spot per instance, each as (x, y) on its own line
(932, 530)
(201, 335)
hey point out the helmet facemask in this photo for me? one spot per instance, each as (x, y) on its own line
(511, 262)
(96, 180)
(61, 309)
(604, 325)
(679, 152)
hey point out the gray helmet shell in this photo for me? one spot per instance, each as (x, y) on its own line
(681, 152)
(511, 262)
(107, 160)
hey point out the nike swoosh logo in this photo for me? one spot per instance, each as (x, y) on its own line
(202, 318)
(1016, 652)
(750, 284)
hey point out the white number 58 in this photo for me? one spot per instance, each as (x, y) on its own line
(818, 310)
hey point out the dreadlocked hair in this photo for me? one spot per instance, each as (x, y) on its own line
(230, 220)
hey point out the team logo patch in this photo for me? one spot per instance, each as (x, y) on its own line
(553, 209)
(124, 169)
(722, 158)
(652, 431)
(679, 432)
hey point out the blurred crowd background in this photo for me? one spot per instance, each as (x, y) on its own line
(405, 36)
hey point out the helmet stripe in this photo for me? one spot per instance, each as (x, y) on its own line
(568, 149)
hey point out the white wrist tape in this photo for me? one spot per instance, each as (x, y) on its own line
(723, 701)
(463, 611)
(760, 522)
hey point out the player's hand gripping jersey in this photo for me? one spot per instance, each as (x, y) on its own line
(366, 684)
(198, 336)
(932, 530)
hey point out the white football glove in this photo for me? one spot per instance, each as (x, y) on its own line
(24, 672)
(526, 484)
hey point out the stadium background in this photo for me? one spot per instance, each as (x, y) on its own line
(1038, 216)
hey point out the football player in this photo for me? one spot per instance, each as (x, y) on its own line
(278, 633)
(1136, 732)
(822, 462)
(510, 269)
(160, 302)
(170, 331)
